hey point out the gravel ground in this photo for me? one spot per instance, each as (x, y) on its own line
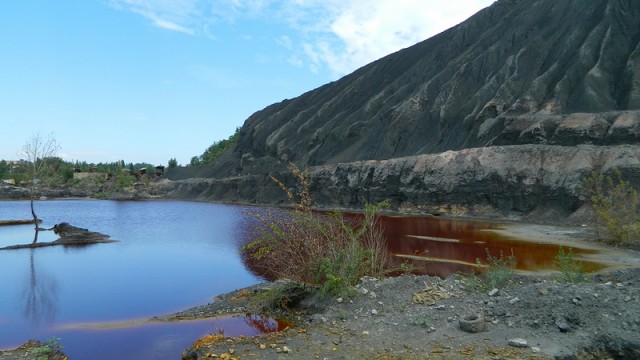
(418, 317)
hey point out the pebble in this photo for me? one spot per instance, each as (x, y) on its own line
(563, 326)
(339, 300)
(544, 291)
(518, 342)
(365, 333)
(514, 300)
(374, 312)
(627, 298)
(535, 349)
(493, 292)
(286, 349)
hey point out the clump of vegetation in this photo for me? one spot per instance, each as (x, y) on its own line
(615, 203)
(326, 251)
(286, 296)
(50, 349)
(569, 268)
(215, 150)
(496, 273)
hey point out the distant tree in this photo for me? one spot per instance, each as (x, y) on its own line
(38, 150)
(195, 161)
(4, 170)
(215, 150)
(172, 163)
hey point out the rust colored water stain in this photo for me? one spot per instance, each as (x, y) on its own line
(249, 325)
(437, 246)
(266, 325)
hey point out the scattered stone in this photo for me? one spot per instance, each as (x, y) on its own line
(262, 346)
(374, 312)
(544, 291)
(493, 292)
(365, 333)
(514, 300)
(627, 298)
(563, 325)
(519, 343)
(286, 350)
(339, 300)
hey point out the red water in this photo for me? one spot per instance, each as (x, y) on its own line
(437, 246)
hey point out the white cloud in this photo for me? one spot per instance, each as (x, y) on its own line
(365, 30)
(334, 36)
(173, 15)
(168, 25)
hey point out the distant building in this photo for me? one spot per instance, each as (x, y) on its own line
(159, 170)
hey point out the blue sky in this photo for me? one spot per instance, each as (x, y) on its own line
(150, 80)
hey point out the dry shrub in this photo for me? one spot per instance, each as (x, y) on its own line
(321, 249)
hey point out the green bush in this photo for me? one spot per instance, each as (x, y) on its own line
(215, 150)
(569, 268)
(615, 203)
(496, 273)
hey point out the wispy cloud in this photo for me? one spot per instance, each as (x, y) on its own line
(168, 25)
(334, 36)
(173, 15)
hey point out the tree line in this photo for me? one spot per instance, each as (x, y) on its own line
(61, 171)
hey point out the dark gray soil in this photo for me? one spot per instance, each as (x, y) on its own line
(418, 317)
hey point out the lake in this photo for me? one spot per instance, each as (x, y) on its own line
(173, 255)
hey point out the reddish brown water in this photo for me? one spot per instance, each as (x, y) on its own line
(437, 246)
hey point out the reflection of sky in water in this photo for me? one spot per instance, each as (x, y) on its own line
(171, 255)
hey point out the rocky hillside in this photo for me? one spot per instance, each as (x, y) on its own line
(532, 79)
